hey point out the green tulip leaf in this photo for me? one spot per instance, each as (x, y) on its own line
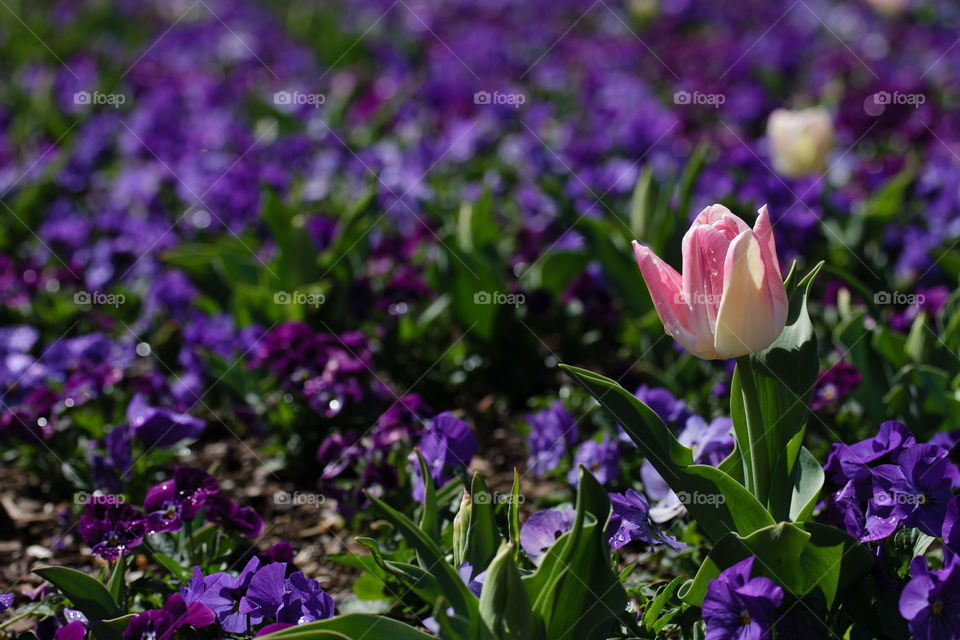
(575, 592)
(803, 558)
(504, 605)
(351, 626)
(86, 593)
(431, 559)
(717, 502)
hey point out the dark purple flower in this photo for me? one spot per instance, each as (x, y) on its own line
(552, 432)
(227, 513)
(264, 597)
(673, 412)
(170, 504)
(738, 607)
(338, 452)
(853, 461)
(322, 230)
(449, 443)
(710, 442)
(834, 384)
(161, 624)
(110, 526)
(543, 528)
(918, 489)
(602, 459)
(280, 552)
(161, 427)
(221, 592)
(930, 602)
(951, 526)
(6, 601)
(845, 510)
(630, 520)
(315, 603)
(75, 630)
(400, 421)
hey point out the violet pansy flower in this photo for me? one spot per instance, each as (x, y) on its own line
(738, 607)
(110, 526)
(552, 432)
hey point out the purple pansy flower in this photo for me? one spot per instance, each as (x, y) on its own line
(709, 443)
(930, 602)
(552, 432)
(738, 607)
(294, 600)
(834, 384)
(449, 443)
(161, 624)
(951, 526)
(315, 603)
(630, 521)
(170, 504)
(852, 461)
(264, 597)
(227, 513)
(543, 528)
(602, 459)
(918, 489)
(672, 411)
(110, 526)
(221, 592)
(75, 630)
(6, 601)
(161, 427)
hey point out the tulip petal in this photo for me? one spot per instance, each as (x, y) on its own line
(704, 252)
(753, 311)
(763, 229)
(664, 284)
(721, 219)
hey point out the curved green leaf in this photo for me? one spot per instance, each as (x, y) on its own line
(717, 502)
(86, 593)
(575, 592)
(432, 558)
(483, 537)
(801, 557)
(430, 522)
(504, 606)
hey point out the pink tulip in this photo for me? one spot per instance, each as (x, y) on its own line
(730, 300)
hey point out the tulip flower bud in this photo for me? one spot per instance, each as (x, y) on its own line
(730, 300)
(889, 7)
(800, 140)
(461, 529)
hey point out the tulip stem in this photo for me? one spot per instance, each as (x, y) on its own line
(757, 445)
